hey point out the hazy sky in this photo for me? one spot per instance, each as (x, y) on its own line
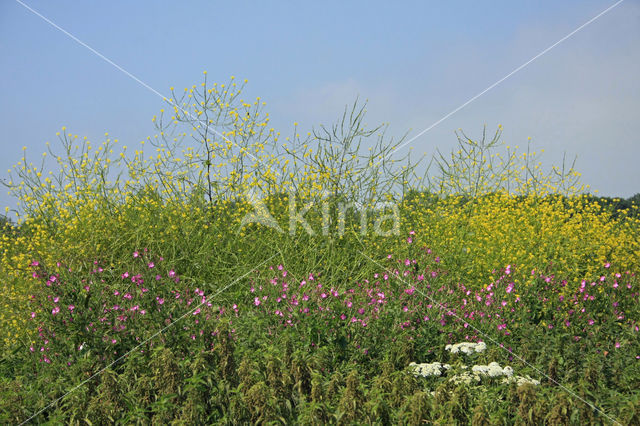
(414, 61)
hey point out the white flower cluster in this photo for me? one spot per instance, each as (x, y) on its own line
(477, 371)
(426, 370)
(465, 378)
(492, 370)
(520, 380)
(466, 347)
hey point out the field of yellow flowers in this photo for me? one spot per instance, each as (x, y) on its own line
(220, 272)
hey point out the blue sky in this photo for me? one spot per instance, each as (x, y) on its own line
(414, 62)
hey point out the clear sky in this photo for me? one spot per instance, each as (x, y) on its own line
(414, 61)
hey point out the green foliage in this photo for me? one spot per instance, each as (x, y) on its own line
(145, 297)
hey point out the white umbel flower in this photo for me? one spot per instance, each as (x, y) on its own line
(520, 380)
(465, 377)
(466, 347)
(492, 370)
(426, 370)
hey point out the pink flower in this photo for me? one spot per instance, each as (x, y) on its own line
(256, 301)
(136, 254)
(617, 345)
(71, 308)
(151, 265)
(55, 310)
(172, 273)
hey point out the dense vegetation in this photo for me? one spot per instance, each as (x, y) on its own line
(222, 273)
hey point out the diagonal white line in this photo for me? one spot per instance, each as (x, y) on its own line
(510, 74)
(492, 340)
(127, 73)
(147, 340)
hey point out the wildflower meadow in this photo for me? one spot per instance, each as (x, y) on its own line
(220, 272)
